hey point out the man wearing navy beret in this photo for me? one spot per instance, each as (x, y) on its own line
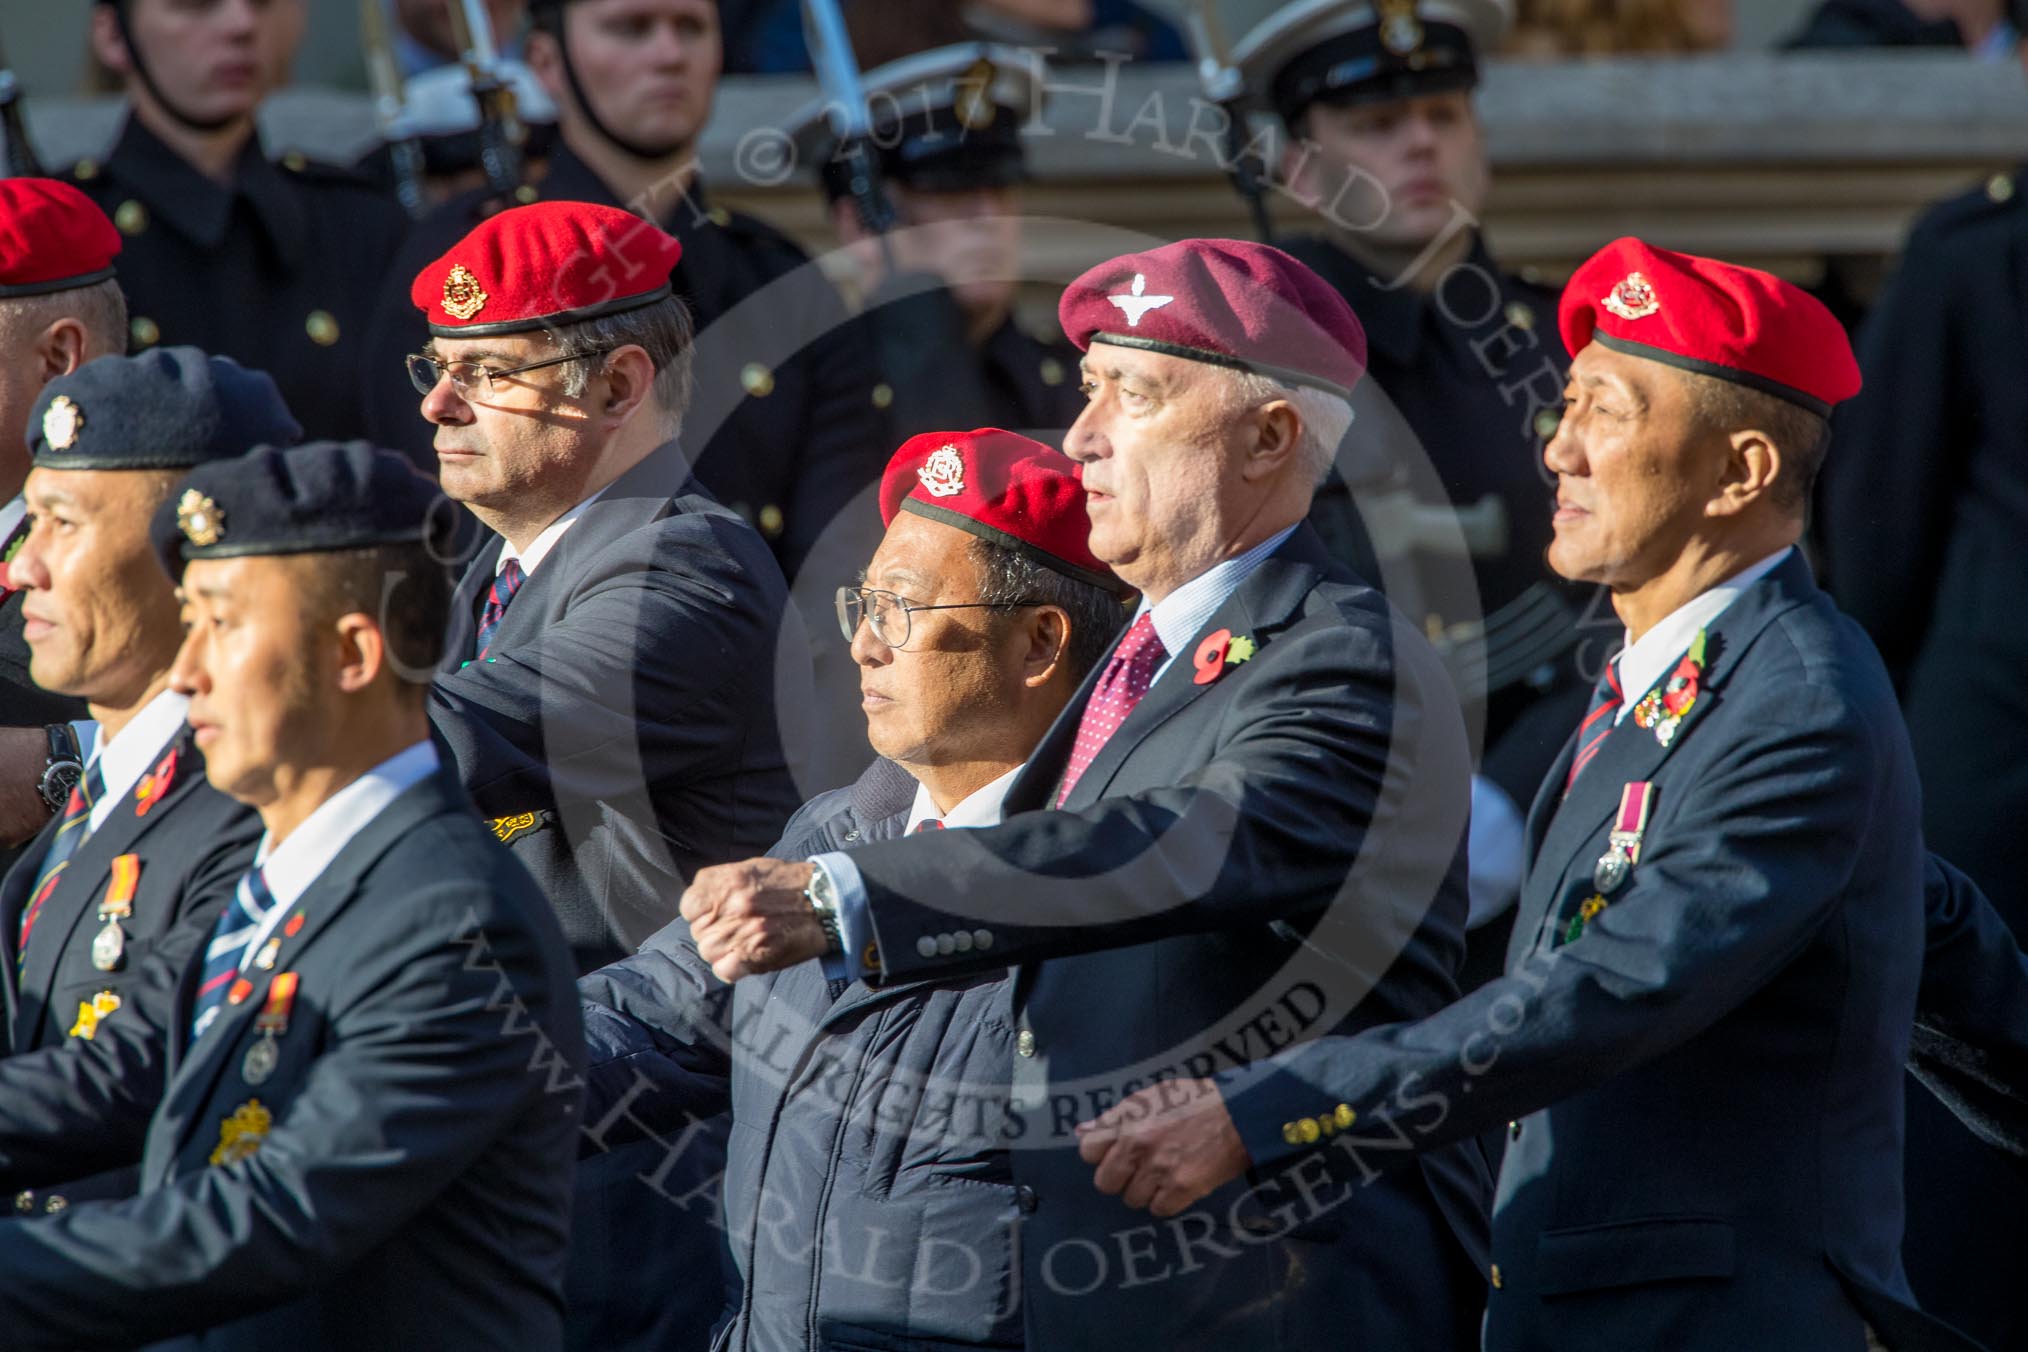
(1246, 828)
(60, 306)
(356, 1109)
(144, 853)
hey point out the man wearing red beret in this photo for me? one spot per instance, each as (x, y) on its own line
(1699, 1045)
(60, 306)
(609, 697)
(1246, 829)
(973, 625)
(787, 424)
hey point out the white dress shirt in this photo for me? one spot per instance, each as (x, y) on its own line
(538, 549)
(1643, 663)
(981, 807)
(125, 758)
(290, 867)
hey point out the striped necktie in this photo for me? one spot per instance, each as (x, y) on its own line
(1598, 724)
(1126, 680)
(926, 824)
(505, 583)
(70, 833)
(237, 925)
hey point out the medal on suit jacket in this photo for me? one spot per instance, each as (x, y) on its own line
(240, 1135)
(90, 1013)
(109, 947)
(1623, 848)
(265, 1055)
(1663, 710)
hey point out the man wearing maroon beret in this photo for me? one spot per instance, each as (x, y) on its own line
(60, 306)
(973, 625)
(1244, 830)
(1700, 1041)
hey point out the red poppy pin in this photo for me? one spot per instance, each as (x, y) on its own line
(155, 784)
(1218, 651)
(1664, 708)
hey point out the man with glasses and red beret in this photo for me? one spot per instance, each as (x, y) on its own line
(609, 690)
(1700, 1043)
(973, 625)
(1245, 830)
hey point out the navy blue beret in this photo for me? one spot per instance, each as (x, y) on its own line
(169, 408)
(308, 499)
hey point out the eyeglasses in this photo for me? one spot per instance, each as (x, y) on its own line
(469, 377)
(889, 614)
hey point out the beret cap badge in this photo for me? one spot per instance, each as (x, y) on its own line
(943, 474)
(463, 296)
(1633, 298)
(61, 422)
(200, 519)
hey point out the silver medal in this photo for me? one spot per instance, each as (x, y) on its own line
(109, 947)
(260, 1061)
(1611, 870)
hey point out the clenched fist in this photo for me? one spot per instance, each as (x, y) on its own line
(752, 917)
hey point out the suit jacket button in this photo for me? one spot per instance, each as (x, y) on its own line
(24, 1201)
(1496, 1276)
(54, 1205)
(982, 939)
(1024, 1042)
(946, 945)
(1025, 1199)
(963, 939)
(1514, 1131)
(926, 946)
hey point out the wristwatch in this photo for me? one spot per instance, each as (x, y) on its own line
(65, 768)
(823, 897)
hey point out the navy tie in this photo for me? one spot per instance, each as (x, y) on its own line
(70, 833)
(1598, 723)
(236, 927)
(505, 583)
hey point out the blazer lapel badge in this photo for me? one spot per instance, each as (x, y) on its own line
(1219, 652)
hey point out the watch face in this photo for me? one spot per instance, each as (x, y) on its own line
(57, 782)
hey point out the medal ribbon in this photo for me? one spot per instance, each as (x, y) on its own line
(1636, 800)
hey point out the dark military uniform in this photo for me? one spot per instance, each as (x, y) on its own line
(783, 422)
(1452, 418)
(938, 379)
(278, 271)
(1923, 514)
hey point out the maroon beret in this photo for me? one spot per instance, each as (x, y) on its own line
(1225, 301)
(999, 487)
(1716, 319)
(52, 238)
(546, 264)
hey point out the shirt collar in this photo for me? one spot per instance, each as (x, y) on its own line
(538, 548)
(290, 868)
(124, 759)
(1180, 614)
(12, 513)
(1646, 662)
(981, 807)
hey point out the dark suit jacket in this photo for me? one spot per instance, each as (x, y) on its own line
(1261, 858)
(1709, 1078)
(194, 846)
(1971, 1019)
(623, 724)
(412, 1185)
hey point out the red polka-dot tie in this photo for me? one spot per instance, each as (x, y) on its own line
(1127, 678)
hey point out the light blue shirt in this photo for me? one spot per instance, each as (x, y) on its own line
(1177, 618)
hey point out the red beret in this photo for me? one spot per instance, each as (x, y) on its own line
(1714, 318)
(999, 487)
(546, 264)
(52, 238)
(1226, 301)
